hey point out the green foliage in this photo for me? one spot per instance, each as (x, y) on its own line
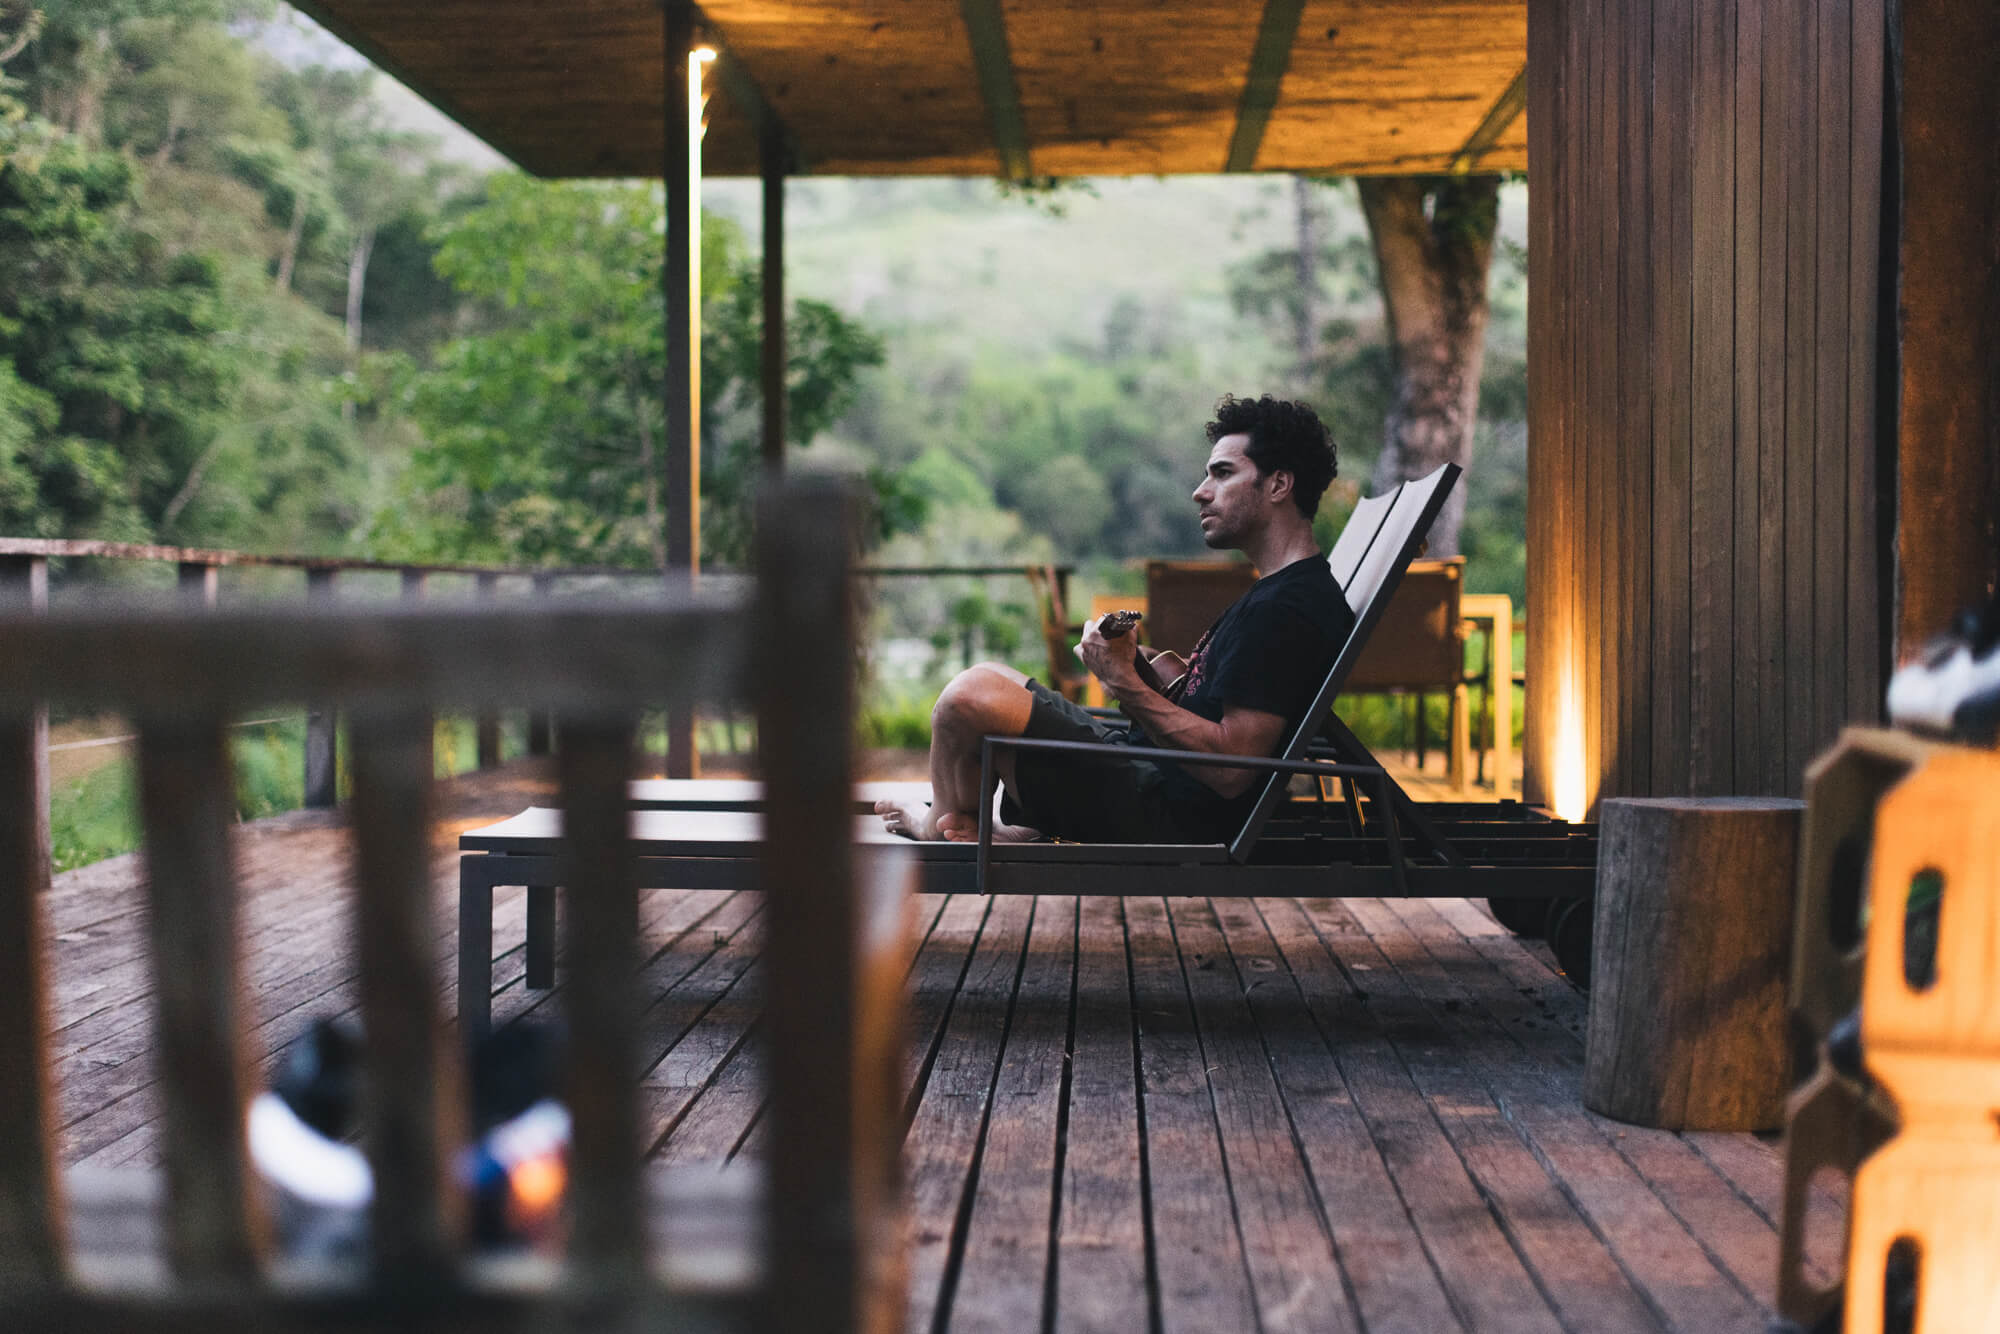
(899, 723)
(95, 817)
(117, 332)
(156, 384)
(545, 433)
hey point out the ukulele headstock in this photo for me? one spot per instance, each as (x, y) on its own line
(1117, 623)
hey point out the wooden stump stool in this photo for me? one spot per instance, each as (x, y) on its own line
(1692, 948)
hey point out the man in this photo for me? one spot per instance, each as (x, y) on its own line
(1249, 683)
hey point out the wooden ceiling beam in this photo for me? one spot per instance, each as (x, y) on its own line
(743, 92)
(1268, 59)
(1512, 101)
(986, 30)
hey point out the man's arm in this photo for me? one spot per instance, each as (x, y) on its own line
(1241, 731)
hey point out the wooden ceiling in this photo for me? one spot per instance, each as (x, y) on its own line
(977, 87)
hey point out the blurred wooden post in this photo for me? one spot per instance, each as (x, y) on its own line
(24, 586)
(487, 727)
(416, 587)
(412, 1107)
(683, 438)
(539, 720)
(321, 746)
(30, 1192)
(186, 800)
(200, 584)
(834, 1104)
(601, 1003)
(30, 1189)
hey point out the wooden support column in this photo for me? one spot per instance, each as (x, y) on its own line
(321, 748)
(683, 442)
(771, 152)
(1705, 206)
(487, 726)
(1948, 436)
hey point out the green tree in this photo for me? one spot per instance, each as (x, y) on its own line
(545, 432)
(116, 336)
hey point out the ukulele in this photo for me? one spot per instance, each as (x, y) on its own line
(1118, 624)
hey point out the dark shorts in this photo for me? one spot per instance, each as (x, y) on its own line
(1082, 797)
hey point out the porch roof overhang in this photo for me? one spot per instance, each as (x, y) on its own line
(1014, 88)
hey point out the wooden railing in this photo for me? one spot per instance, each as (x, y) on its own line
(833, 947)
(24, 586)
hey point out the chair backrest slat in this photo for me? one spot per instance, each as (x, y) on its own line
(1395, 525)
(413, 1102)
(601, 999)
(187, 801)
(30, 1200)
(1357, 538)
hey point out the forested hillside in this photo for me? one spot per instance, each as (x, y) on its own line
(242, 304)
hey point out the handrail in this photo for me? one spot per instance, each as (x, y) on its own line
(56, 548)
(62, 548)
(24, 585)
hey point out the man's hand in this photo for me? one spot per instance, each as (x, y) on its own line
(1110, 660)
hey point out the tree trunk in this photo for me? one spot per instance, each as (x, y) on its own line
(357, 282)
(1433, 238)
(1306, 313)
(294, 238)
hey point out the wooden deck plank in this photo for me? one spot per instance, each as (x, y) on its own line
(1004, 1274)
(1285, 1235)
(1514, 1245)
(1383, 1261)
(1101, 1255)
(1671, 1265)
(949, 1130)
(1203, 1283)
(1736, 1235)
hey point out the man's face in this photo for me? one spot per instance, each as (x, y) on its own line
(1231, 495)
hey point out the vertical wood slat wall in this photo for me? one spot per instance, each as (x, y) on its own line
(1704, 203)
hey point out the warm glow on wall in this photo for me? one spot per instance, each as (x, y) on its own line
(1566, 779)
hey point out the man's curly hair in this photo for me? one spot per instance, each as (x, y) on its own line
(1284, 437)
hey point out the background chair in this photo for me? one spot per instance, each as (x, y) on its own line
(1183, 598)
(1418, 649)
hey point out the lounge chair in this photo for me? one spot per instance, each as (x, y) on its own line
(1374, 840)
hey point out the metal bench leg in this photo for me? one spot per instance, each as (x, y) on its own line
(475, 950)
(541, 937)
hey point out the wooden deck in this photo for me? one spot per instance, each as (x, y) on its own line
(1320, 1115)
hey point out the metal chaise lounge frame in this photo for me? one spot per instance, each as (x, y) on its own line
(1392, 846)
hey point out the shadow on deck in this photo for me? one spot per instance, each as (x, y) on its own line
(1313, 1115)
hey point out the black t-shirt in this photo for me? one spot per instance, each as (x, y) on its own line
(1270, 651)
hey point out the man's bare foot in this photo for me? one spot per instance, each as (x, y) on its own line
(956, 827)
(912, 819)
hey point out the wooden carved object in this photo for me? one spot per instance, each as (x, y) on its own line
(1833, 1119)
(1930, 1028)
